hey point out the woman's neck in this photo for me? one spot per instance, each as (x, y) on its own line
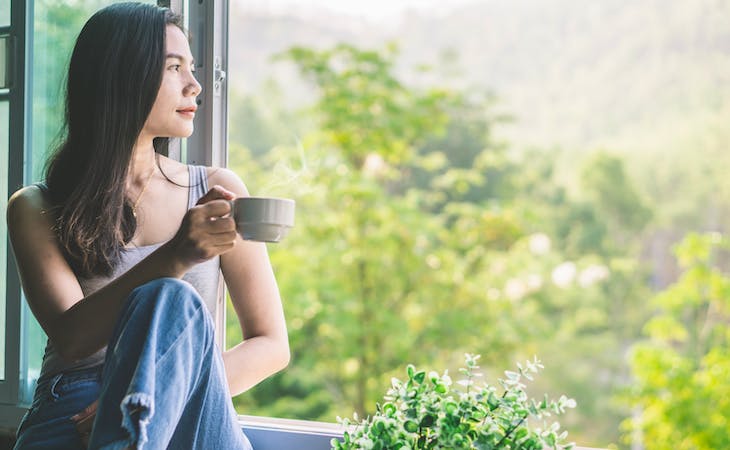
(142, 162)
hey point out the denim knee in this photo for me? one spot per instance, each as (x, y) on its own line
(170, 296)
(164, 289)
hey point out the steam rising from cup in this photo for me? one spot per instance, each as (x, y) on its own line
(285, 176)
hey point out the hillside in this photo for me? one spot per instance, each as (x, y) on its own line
(574, 73)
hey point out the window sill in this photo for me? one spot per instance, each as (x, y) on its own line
(268, 433)
(265, 433)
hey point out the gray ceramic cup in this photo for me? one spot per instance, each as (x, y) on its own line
(264, 219)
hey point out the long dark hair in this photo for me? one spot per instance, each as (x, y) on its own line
(114, 74)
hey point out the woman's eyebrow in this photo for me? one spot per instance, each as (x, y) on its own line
(180, 57)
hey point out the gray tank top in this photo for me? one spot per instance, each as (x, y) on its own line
(205, 277)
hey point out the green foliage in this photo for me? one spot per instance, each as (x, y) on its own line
(682, 369)
(389, 269)
(261, 127)
(608, 186)
(388, 278)
(465, 163)
(430, 248)
(427, 412)
(363, 107)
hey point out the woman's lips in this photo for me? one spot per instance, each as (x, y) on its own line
(187, 112)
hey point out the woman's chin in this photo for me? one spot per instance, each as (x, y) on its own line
(182, 133)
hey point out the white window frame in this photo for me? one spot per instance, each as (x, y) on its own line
(10, 411)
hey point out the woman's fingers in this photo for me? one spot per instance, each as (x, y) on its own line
(205, 237)
(213, 208)
(222, 225)
(209, 222)
(84, 421)
(84, 425)
(207, 229)
(216, 193)
(89, 410)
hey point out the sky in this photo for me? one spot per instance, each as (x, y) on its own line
(366, 9)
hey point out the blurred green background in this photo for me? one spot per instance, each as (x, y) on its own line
(502, 178)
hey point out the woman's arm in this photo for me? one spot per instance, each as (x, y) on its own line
(77, 325)
(255, 296)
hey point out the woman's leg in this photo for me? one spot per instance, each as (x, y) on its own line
(47, 425)
(163, 380)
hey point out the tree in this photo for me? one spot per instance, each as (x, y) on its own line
(618, 202)
(372, 272)
(419, 240)
(682, 369)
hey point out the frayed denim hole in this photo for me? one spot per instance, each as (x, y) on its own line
(137, 410)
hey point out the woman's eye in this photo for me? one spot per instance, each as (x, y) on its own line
(175, 67)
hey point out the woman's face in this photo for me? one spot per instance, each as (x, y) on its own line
(173, 112)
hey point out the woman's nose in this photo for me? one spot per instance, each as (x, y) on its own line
(193, 88)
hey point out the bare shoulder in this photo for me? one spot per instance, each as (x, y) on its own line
(26, 203)
(174, 170)
(227, 179)
(30, 223)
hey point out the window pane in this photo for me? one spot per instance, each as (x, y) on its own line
(4, 13)
(498, 178)
(4, 81)
(55, 27)
(4, 159)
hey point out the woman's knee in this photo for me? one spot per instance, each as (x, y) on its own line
(167, 305)
(167, 293)
(167, 287)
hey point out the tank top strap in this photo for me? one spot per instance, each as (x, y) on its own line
(198, 184)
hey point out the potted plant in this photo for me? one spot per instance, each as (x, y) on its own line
(427, 411)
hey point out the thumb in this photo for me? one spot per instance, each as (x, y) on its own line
(217, 192)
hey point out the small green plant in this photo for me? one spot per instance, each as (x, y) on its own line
(427, 412)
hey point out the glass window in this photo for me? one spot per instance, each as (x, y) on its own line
(4, 158)
(55, 27)
(466, 181)
(4, 13)
(4, 78)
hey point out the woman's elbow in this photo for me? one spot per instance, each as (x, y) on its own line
(284, 355)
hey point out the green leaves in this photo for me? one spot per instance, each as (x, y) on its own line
(419, 377)
(423, 413)
(363, 108)
(681, 370)
(411, 244)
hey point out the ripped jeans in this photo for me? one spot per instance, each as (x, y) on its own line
(163, 383)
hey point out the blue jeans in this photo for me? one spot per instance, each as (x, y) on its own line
(163, 384)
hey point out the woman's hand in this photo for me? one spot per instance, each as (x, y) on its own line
(84, 421)
(206, 231)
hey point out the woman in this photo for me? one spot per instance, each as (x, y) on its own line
(123, 247)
